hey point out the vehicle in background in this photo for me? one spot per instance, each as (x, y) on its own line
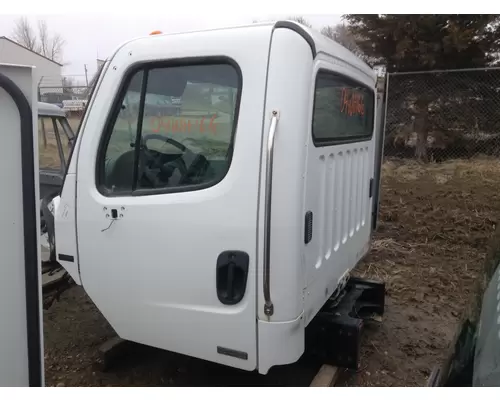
(473, 357)
(74, 105)
(55, 98)
(55, 142)
(55, 139)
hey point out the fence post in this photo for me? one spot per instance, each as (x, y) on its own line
(39, 94)
(379, 151)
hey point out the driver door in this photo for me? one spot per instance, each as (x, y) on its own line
(158, 227)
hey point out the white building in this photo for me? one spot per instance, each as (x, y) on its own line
(48, 72)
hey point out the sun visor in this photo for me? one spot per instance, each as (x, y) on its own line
(173, 81)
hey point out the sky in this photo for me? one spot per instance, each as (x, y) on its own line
(89, 36)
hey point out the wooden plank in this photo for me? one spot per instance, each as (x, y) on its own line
(111, 351)
(49, 280)
(326, 376)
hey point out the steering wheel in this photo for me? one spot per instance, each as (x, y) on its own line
(165, 171)
(173, 142)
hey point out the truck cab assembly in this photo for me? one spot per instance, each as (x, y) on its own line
(227, 230)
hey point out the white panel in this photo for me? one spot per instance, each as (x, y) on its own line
(354, 188)
(345, 191)
(368, 168)
(338, 194)
(330, 202)
(359, 189)
(321, 221)
(65, 223)
(46, 73)
(158, 263)
(14, 368)
(282, 343)
(287, 213)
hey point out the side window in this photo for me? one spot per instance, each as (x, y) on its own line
(48, 149)
(174, 130)
(119, 156)
(64, 135)
(343, 110)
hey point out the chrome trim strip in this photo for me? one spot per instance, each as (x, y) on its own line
(268, 307)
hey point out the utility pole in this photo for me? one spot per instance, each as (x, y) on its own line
(86, 76)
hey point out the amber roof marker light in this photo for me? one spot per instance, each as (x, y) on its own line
(156, 33)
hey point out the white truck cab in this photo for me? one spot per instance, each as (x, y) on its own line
(222, 230)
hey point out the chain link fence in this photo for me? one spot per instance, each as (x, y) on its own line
(432, 115)
(72, 99)
(439, 115)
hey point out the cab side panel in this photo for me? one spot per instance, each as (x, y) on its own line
(65, 212)
(158, 263)
(338, 178)
(65, 221)
(289, 82)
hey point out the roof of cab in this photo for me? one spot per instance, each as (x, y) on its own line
(322, 44)
(318, 42)
(50, 110)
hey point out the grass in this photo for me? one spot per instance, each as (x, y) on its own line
(435, 227)
(435, 223)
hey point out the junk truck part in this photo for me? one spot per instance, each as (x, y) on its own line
(21, 334)
(225, 245)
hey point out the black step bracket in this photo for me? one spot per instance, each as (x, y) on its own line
(334, 335)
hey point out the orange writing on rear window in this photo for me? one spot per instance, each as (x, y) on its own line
(352, 102)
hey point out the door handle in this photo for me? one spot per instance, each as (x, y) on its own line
(231, 276)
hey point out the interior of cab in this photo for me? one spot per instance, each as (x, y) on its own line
(151, 149)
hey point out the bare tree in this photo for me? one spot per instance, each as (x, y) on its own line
(330, 32)
(56, 45)
(43, 35)
(50, 46)
(24, 34)
(341, 34)
(301, 20)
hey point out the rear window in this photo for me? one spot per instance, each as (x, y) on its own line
(343, 110)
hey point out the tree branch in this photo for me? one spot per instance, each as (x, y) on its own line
(46, 45)
(24, 35)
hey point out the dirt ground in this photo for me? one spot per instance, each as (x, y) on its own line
(74, 330)
(435, 222)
